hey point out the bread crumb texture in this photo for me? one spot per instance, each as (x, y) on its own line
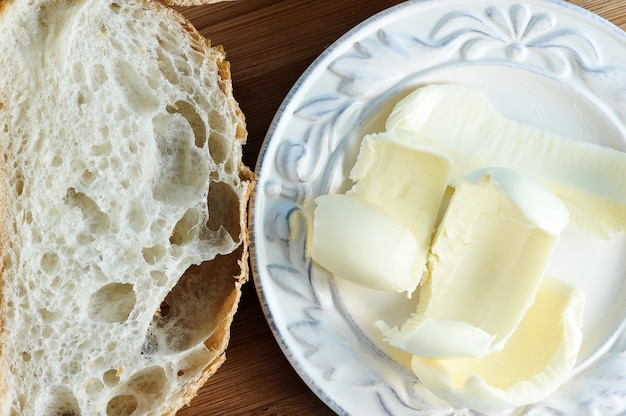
(121, 172)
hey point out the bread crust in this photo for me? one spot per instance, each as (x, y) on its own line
(238, 268)
(217, 54)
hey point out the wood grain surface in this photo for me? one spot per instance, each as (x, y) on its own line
(269, 44)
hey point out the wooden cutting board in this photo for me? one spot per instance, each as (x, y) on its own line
(269, 44)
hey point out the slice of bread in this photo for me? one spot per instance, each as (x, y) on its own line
(123, 211)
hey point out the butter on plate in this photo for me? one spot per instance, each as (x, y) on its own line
(374, 247)
(537, 359)
(487, 260)
(490, 330)
(358, 241)
(460, 122)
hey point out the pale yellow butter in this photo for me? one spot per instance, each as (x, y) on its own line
(487, 259)
(358, 241)
(406, 180)
(371, 247)
(461, 122)
(536, 360)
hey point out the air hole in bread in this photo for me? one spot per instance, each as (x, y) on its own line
(148, 385)
(48, 317)
(111, 378)
(150, 344)
(153, 255)
(231, 166)
(87, 178)
(204, 290)
(56, 282)
(218, 146)
(57, 161)
(122, 405)
(223, 202)
(138, 93)
(103, 149)
(26, 357)
(98, 71)
(164, 309)
(133, 148)
(35, 234)
(78, 72)
(80, 99)
(137, 216)
(153, 77)
(19, 182)
(116, 163)
(46, 331)
(217, 121)
(85, 239)
(183, 167)
(112, 303)
(169, 42)
(158, 277)
(167, 69)
(189, 112)
(71, 368)
(94, 386)
(49, 263)
(58, 401)
(97, 221)
(187, 228)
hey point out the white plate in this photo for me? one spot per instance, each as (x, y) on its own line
(548, 64)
